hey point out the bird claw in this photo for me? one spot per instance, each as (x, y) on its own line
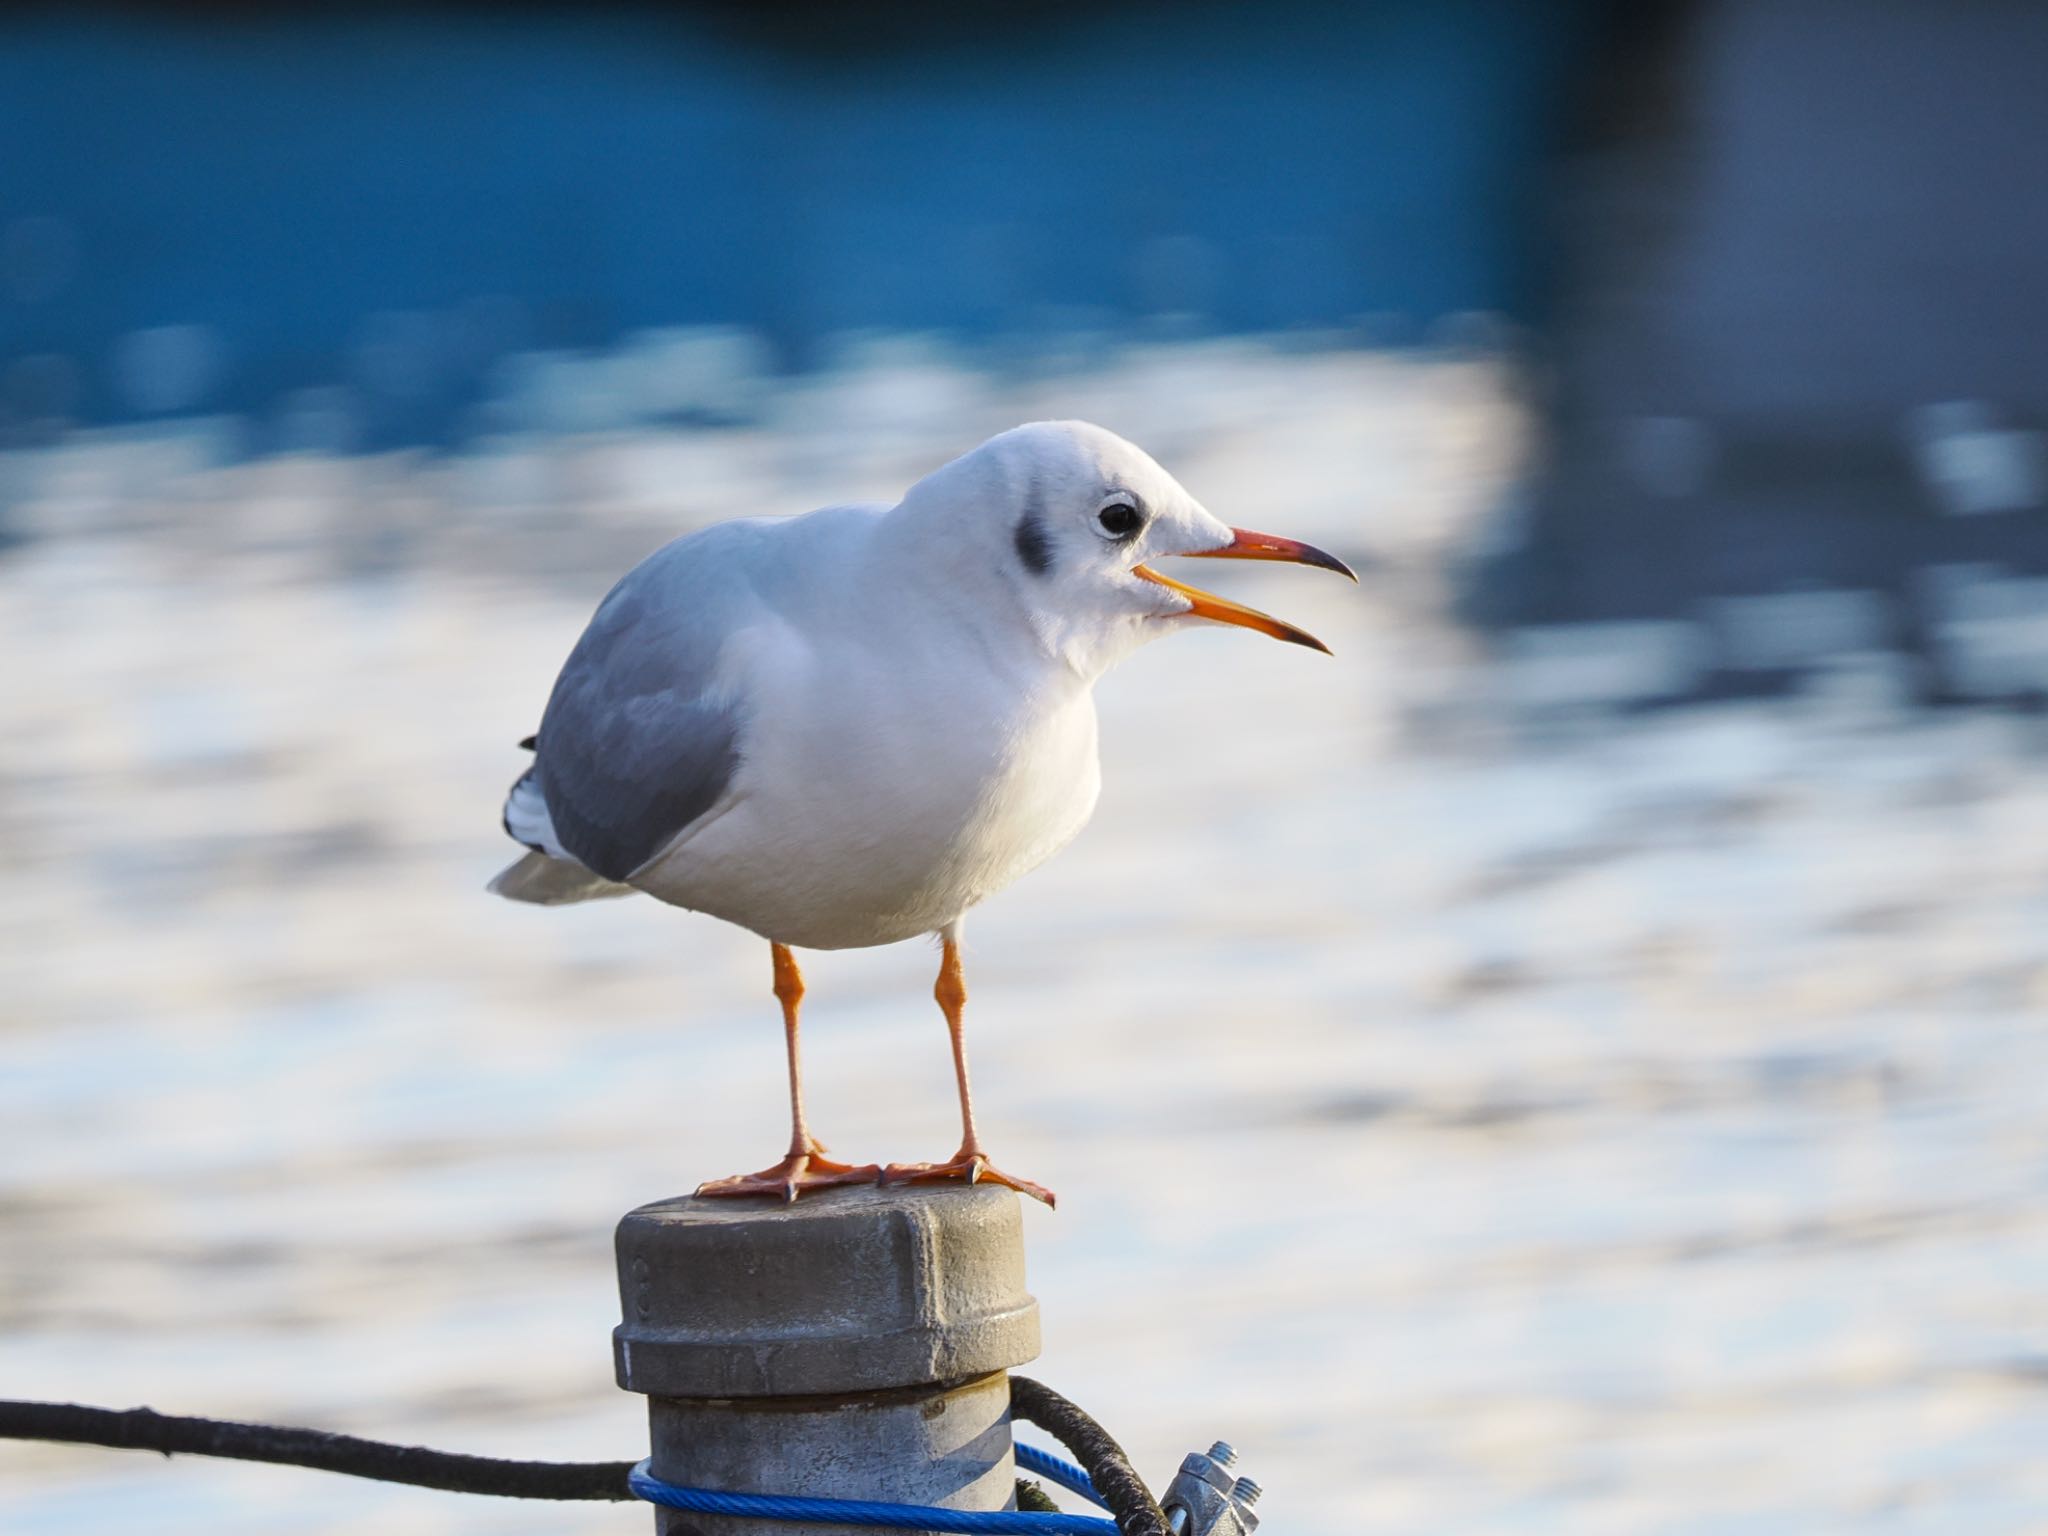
(965, 1168)
(791, 1177)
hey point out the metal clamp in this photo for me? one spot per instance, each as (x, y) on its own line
(1205, 1500)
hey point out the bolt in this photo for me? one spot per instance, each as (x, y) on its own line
(1223, 1453)
(1246, 1492)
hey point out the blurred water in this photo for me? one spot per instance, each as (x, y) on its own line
(1488, 1123)
(376, 207)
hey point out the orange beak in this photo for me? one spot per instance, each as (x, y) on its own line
(1246, 545)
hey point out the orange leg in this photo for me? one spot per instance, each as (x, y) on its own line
(970, 1164)
(806, 1166)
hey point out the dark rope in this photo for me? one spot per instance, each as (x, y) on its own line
(1137, 1512)
(144, 1429)
(1034, 1500)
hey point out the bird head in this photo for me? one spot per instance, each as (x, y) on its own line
(1070, 517)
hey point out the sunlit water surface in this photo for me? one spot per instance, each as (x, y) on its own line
(1487, 1124)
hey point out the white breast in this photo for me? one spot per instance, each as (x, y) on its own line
(880, 793)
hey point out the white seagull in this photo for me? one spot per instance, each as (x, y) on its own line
(848, 728)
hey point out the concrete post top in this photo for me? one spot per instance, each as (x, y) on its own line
(844, 1291)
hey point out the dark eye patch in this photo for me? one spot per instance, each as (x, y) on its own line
(1034, 546)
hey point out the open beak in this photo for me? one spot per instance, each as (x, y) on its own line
(1246, 545)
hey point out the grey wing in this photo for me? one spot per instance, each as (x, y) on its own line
(636, 744)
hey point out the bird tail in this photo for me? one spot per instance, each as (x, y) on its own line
(553, 882)
(549, 875)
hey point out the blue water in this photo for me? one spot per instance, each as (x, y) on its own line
(392, 202)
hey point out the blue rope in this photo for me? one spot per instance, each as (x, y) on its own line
(906, 1517)
(1065, 1473)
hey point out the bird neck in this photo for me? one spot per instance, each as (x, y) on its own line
(939, 566)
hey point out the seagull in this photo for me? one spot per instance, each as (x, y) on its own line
(850, 727)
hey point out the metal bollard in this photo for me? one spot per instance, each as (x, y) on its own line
(853, 1345)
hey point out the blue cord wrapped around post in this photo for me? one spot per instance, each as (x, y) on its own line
(1070, 1477)
(867, 1512)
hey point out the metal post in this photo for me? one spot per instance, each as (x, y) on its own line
(852, 1345)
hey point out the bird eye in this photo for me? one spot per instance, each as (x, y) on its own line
(1120, 519)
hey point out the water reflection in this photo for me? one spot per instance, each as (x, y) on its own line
(1513, 1115)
